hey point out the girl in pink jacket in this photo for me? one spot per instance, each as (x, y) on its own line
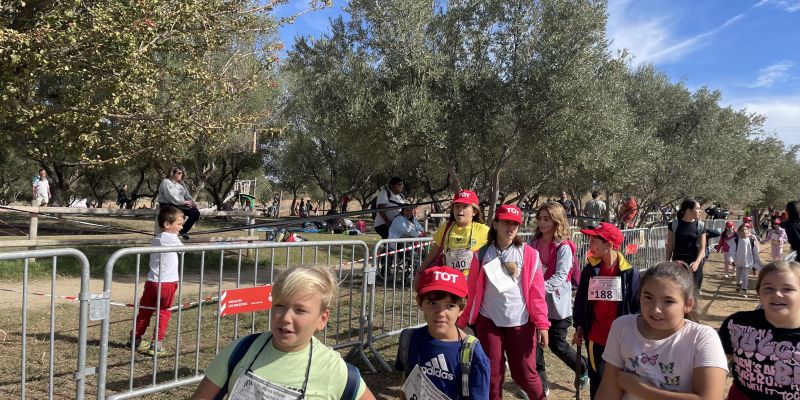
(506, 303)
(728, 234)
(777, 238)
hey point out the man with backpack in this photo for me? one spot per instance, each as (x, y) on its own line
(390, 196)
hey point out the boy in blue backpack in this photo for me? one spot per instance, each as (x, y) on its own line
(440, 352)
(287, 362)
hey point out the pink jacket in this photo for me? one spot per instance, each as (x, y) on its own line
(534, 295)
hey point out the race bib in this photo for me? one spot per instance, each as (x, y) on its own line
(498, 277)
(418, 387)
(606, 288)
(459, 259)
(251, 387)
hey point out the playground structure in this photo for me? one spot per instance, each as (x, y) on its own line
(243, 195)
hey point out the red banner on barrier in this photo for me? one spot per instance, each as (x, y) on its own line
(631, 249)
(235, 301)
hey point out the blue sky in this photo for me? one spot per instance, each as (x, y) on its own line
(747, 49)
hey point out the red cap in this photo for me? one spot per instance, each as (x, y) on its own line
(608, 232)
(508, 212)
(729, 224)
(466, 197)
(446, 279)
(748, 225)
(747, 219)
(776, 221)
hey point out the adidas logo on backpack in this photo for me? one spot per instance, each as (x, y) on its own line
(437, 367)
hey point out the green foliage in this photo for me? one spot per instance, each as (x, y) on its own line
(513, 99)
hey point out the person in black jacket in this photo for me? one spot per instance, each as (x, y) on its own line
(608, 289)
(792, 226)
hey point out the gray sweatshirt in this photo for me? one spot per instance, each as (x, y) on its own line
(173, 192)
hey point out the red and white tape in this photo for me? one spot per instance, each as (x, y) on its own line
(404, 249)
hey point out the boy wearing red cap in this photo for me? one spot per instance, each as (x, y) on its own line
(441, 352)
(506, 303)
(455, 240)
(608, 289)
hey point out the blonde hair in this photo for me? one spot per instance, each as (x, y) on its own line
(778, 266)
(559, 217)
(305, 279)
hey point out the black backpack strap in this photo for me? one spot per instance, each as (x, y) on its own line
(482, 253)
(402, 349)
(353, 381)
(236, 355)
(465, 361)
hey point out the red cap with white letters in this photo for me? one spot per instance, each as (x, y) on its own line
(466, 197)
(446, 279)
(508, 212)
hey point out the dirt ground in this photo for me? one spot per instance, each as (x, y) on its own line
(717, 302)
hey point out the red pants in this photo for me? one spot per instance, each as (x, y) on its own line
(149, 299)
(519, 343)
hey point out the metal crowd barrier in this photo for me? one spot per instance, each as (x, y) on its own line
(376, 301)
(392, 294)
(634, 247)
(581, 246)
(656, 245)
(66, 343)
(192, 344)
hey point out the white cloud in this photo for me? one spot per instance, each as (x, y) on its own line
(783, 115)
(650, 39)
(771, 74)
(786, 5)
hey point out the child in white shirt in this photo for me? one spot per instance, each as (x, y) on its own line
(163, 269)
(743, 255)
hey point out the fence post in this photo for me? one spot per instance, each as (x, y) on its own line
(33, 232)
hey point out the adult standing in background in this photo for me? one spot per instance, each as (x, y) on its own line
(627, 213)
(390, 196)
(792, 226)
(41, 189)
(568, 204)
(569, 207)
(595, 209)
(686, 239)
(122, 197)
(173, 192)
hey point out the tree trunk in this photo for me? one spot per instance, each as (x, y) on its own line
(495, 192)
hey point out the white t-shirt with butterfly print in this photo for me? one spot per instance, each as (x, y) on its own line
(666, 363)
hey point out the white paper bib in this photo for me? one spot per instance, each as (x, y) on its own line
(251, 387)
(605, 288)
